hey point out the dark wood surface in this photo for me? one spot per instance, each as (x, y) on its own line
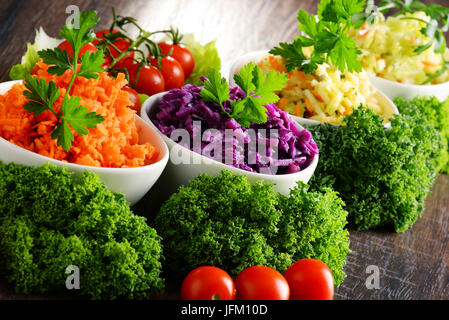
(412, 265)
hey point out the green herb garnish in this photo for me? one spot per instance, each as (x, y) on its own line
(258, 87)
(42, 95)
(327, 34)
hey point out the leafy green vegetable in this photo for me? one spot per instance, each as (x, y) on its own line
(216, 89)
(382, 175)
(227, 222)
(327, 34)
(49, 220)
(258, 87)
(339, 10)
(206, 58)
(143, 97)
(29, 60)
(31, 57)
(43, 95)
(437, 114)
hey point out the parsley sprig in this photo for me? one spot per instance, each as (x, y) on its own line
(259, 88)
(42, 95)
(327, 34)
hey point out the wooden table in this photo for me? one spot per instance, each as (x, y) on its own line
(412, 265)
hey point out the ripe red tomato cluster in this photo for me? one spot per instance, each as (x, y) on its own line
(307, 279)
(164, 73)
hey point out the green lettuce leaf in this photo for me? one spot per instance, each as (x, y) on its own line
(206, 58)
(41, 42)
(143, 97)
(30, 58)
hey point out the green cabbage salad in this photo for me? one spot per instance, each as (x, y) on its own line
(400, 48)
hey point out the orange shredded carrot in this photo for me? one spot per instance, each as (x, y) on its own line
(429, 64)
(114, 143)
(297, 110)
(318, 96)
(309, 105)
(302, 77)
(364, 30)
(282, 103)
(275, 64)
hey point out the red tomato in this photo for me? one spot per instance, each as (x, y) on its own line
(208, 283)
(172, 72)
(261, 283)
(181, 54)
(134, 98)
(310, 279)
(65, 46)
(150, 79)
(121, 44)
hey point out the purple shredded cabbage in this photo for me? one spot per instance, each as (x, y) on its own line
(290, 150)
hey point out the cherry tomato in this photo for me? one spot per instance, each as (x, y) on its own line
(134, 98)
(208, 283)
(181, 54)
(261, 283)
(172, 72)
(121, 44)
(310, 279)
(150, 79)
(65, 46)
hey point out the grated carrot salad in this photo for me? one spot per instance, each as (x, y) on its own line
(115, 141)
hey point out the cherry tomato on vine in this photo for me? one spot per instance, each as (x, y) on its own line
(150, 80)
(119, 43)
(261, 283)
(134, 98)
(208, 283)
(65, 46)
(310, 279)
(181, 54)
(172, 72)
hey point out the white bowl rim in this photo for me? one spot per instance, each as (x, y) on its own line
(411, 86)
(311, 167)
(307, 120)
(162, 160)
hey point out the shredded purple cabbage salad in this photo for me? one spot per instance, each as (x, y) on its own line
(278, 146)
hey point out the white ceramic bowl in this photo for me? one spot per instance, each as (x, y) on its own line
(388, 105)
(393, 89)
(178, 174)
(133, 182)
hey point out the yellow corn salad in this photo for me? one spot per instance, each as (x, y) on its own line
(325, 95)
(388, 47)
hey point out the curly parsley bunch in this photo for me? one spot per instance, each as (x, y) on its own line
(227, 222)
(382, 175)
(50, 220)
